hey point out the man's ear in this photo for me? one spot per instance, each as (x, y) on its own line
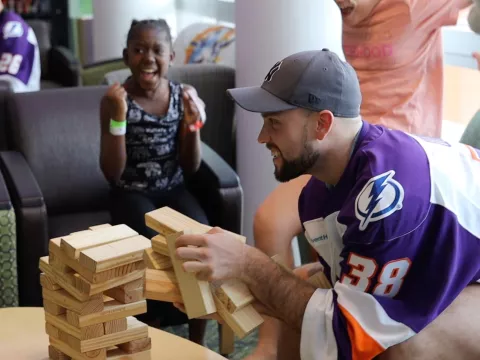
(324, 123)
(125, 56)
(172, 57)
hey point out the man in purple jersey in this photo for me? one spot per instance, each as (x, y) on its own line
(19, 53)
(394, 218)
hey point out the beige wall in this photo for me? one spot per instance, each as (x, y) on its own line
(461, 94)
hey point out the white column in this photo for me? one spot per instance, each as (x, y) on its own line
(112, 19)
(266, 32)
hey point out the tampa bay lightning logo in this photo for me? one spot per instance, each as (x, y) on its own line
(380, 197)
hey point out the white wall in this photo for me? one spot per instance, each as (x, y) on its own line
(112, 18)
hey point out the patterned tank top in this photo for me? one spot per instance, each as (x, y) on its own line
(152, 147)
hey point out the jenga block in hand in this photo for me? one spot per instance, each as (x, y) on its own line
(155, 260)
(234, 294)
(159, 245)
(167, 221)
(196, 294)
(162, 285)
(243, 321)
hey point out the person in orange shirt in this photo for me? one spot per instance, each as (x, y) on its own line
(395, 46)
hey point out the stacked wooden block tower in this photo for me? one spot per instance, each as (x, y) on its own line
(92, 286)
(167, 281)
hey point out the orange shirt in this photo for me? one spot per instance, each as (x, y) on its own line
(398, 55)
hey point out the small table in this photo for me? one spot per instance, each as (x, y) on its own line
(23, 337)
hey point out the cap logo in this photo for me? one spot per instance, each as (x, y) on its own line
(272, 71)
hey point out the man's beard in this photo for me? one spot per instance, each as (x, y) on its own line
(295, 168)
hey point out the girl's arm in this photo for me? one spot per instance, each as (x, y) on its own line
(113, 155)
(190, 143)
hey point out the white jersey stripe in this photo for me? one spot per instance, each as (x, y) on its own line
(317, 336)
(372, 317)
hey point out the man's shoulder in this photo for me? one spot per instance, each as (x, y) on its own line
(13, 26)
(390, 193)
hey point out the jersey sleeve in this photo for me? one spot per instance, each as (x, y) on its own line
(398, 272)
(19, 56)
(432, 15)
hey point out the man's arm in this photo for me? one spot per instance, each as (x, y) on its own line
(284, 293)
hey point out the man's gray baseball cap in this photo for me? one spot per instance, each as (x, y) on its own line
(315, 80)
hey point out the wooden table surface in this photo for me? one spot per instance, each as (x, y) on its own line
(23, 337)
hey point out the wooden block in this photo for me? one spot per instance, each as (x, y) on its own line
(227, 339)
(135, 330)
(119, 354)
(234, 295)
(66, 281)
(196, 294)
(81, 232)
(60, 266)
(115, 254)
(54, 249)
(48, 282)
(113, 310)
(55, 354)
(99, 227)
(159, 245)
(67, 301)
(60, 322)
(162, 286)
(66, 349)
(136, 346)
(86, 287)
(242, 322)
(167, 221)
(155, 260)
(135, 284)
(73, 244)
(53, 308)
(114, 326)
(126, 297)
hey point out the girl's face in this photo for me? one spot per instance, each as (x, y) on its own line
(148, 55)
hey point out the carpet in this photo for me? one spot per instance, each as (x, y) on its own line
(243, 347)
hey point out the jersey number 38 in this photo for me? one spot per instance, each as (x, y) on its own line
(364, 269)
(10, 63)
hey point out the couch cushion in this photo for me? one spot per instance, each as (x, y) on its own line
(58, 132)
(62, 225)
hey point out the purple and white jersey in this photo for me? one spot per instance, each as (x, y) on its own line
(19, 53)
(399, 237)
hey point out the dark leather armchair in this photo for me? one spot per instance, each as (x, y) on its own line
(60, 67)
(53, 175)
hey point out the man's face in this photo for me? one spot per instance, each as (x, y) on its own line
(288, 135)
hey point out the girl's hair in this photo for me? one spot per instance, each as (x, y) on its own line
(160, 24)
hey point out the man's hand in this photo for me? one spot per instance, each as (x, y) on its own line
(216, 255)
